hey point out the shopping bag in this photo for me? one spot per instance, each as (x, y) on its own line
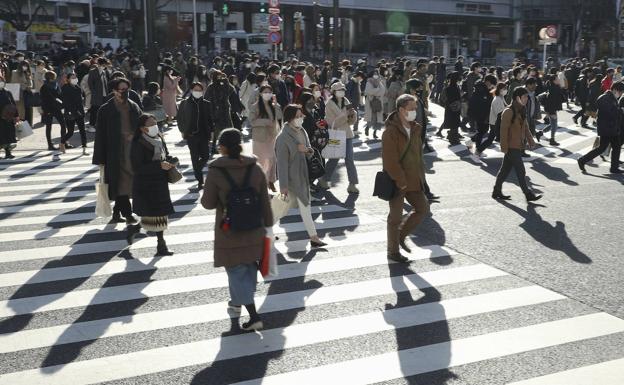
(102, 204)
(336, 145)
(23, 129)
(14, 89)
(279, 206)
(268, 262)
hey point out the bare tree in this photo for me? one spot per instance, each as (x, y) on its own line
(15, 12)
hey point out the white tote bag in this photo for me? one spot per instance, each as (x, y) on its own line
(336, 145)
(23, 129)
(102, 204)
(279, 206)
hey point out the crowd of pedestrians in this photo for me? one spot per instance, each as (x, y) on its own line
(292, 109)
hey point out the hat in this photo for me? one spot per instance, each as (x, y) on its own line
(337, 86)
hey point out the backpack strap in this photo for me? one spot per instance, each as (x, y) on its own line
(247, 176)
(227, 176)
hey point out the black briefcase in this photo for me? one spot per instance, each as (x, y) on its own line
(385, 188)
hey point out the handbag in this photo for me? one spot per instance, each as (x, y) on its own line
(34, 99)
(316, 165)
(173, 175)
(23, 129)
(375, 104)
(336, 145)
(102, 203)
(385, 187)
(279, 206)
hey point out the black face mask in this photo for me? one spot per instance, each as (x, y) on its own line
(124, 95)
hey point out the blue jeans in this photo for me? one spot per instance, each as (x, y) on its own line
(242, 283)
(331, 164)
(553, 125)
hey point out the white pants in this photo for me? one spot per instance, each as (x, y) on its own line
(306, 215)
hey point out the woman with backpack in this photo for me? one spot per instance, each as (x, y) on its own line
(293, 151)
(238, 250)
(151, 199)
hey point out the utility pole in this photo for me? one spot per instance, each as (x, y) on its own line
(152, 49)
(336, 39)
(195, 44)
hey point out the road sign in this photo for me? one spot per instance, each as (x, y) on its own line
(547, 41)
(274, 3)
(274, 28)
(551, 31)
(275, 37)
(274, 11)
(274, 20)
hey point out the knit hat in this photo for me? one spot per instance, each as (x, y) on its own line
(337, 86)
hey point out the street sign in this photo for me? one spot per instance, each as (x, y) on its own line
(274, 3)
(547, 41)
(274, 11)
(274, 28)
(275, 37)
(274, 20)
(551, 31)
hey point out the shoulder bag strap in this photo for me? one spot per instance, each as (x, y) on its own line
(409, 143)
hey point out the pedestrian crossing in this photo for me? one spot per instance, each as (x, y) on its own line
(78, 306)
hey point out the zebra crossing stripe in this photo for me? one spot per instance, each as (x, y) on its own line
(201, 352)
(604, 373)
(410, 362)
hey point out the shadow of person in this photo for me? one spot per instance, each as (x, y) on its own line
(45, 292)
(552, 173)
(64, 352)
(226, 369)
(554, 237)
(433, 331)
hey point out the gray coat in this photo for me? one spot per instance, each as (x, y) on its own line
(292, 166)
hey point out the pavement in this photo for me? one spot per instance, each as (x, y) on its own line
(496, 292)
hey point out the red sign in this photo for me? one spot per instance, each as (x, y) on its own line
(551, 31)
(274, 20)
(274, 11)
(275, 37)
(274, 3)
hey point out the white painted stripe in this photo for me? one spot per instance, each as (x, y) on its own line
(10, 308)
(41, 234)
(201, 352)
(59, 334)
(173, 239)
(194, 258)
(410, 362)
(13, 175)
(604, 373)
(547, 150)
(447, 152)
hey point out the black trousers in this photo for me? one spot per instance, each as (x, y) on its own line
(199, 146)
(122, 205)
(48, 118)
(581, 114)
(482, 129)
(512, 160)
(70, 130)
(93, 111)
(605, 141)
(494, 133)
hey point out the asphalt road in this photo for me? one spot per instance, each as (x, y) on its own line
(497, 293)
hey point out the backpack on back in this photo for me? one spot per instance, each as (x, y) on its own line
(243, 208)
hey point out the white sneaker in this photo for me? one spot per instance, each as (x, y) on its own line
(469, 143)
(90, 129)
(482, 155)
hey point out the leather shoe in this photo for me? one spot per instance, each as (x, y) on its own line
(397, 257)
(581, 165)
(499, 195)
(533, 198)
(404, 245)
(318, 244)
(616, 171)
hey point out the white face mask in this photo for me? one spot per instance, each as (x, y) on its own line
(375, 76)
(159, 68)
(2, 85)
(197, 94)
(152, 130)
(503, 92)
(411, 116)
(340, 94)
(267, 96)
(73, 81)
(317, 94)
(298, 122)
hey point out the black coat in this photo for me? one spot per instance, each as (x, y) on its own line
(609, 115)
(219, 97)
(555, 99)
(96, 86)
(106, 147)
(150, 187)
(194, 118)
(51, 98)
(7, 132)
(581, 90)
(318, 136)
(452, 119)
(72, 100)
(480, 102)
(594, 92)
(132, 95)
(151, 102)
(6, 98)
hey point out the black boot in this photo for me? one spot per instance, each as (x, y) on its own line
(7, 151)
(161, 246)
(131, 231)
(116, 217)
(498, 195)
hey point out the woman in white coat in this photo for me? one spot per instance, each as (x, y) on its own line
(247, 91)
(264, 117)
(373, 107)
(340, 115)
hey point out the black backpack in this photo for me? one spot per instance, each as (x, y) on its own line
(243, 209)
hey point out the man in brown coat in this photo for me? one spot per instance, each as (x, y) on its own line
(401, 149)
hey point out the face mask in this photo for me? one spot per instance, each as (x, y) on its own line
(317, 94)
(248, 65)
(124, 95)
(267, 96)
(340, 94)
(159, 68)
(2, 85)
(73, 81)
(503, 92)
(20, 59)
(411, 116)
(197, 94)
(152, 130)
(375, 77)
(298, 122)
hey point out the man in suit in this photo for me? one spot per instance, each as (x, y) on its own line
(98, 84)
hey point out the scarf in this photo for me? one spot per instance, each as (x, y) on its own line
(159, 148)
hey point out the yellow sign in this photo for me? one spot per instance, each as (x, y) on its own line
(45, 27)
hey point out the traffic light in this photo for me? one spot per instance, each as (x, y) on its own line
(263, 7)
(225, 9)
